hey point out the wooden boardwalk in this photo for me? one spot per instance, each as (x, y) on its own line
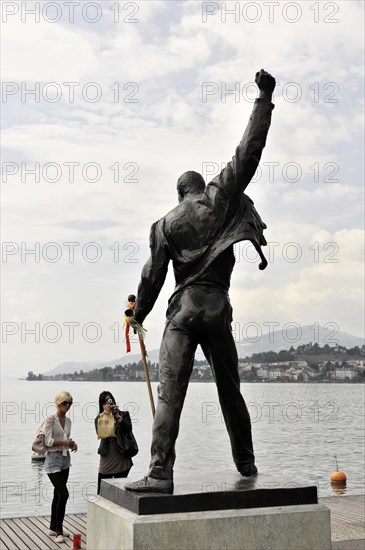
(346, 509)
(31, 533)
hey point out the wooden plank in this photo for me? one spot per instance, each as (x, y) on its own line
(78, 525)
(43, 523)
(31, 533)
(31, 537)
(43, 520)
(350, 507)
(80, 518)
(18, 542)
(347, 503)
(27, 539)
(5, 541)
(42, 531)
(73, 524)
(74, 530)
(346, 509)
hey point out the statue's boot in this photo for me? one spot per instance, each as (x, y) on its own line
(151, 485)
(247, 471)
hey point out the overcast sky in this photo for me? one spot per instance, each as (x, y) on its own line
(105, 104)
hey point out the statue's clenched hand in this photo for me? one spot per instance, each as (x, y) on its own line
(265, 82)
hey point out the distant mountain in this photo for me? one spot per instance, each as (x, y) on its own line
(71, 366)
(296, 336)
(274, 341)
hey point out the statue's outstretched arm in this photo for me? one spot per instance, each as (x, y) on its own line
(238, 173)
(153, 274)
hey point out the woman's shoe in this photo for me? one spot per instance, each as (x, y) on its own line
(53, 533)
(59, 539)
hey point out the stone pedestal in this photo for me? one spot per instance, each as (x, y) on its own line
(208, 512)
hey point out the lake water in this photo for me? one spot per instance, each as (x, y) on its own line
(297, 429)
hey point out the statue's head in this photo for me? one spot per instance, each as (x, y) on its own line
(190, 183)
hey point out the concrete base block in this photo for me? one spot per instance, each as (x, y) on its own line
(304, 527)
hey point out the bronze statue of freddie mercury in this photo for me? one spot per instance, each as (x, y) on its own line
(198, 237)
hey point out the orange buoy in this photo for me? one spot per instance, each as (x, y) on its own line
(338, 477)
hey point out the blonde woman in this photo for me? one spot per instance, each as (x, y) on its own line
(57, 431)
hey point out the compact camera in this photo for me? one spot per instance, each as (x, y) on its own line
(114, 408)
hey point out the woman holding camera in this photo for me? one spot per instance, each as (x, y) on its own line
(113, 463)
(57, 431)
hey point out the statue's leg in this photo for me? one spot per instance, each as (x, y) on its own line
(175, 364)
(220, 350)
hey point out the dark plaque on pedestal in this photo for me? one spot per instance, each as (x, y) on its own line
(206, 491)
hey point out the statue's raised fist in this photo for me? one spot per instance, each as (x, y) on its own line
(265, 81)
